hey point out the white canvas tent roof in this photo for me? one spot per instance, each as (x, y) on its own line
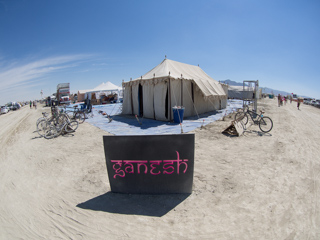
(178, 70)
(103, 89)
(108, 86)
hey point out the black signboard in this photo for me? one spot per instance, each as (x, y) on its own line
(152, 164)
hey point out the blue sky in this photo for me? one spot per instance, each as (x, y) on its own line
(85, 43)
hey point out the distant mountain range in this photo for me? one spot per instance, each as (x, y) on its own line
(264, 89)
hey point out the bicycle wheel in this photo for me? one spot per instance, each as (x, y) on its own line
(88, 114)
(71, 126)
(241, 116)
(80, 117)
(42, 126)
(51, 132)
(61, 119)
(40, 119)
(265, 124)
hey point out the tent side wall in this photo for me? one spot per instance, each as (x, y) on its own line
(224, 102)
(224, 99)
(131, 99)
(135, 98)
(187, 98)
(225, 88)
(193, 100)
(148, 100)
(203, 105)
(153, 97)
(127, 100)
(200, 104)
(160, 94)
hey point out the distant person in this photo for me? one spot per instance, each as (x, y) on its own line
(30, 104)
(279, 100)
(35, 104)
(88, 104)
(298, 104)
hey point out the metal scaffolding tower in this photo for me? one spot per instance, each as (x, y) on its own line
(252, 85)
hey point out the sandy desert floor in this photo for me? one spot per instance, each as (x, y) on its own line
(257, 186)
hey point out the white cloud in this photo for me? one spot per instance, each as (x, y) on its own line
(16, 77)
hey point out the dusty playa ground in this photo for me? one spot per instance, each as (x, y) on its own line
(257, 186)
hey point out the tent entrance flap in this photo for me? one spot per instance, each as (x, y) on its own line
(166, 103)
(140, 99)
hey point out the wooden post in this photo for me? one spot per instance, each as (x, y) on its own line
(154, 111)
(181, 91)
(131, 98)
(170, 107)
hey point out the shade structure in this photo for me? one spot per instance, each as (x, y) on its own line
(108, 86)
(104, 89)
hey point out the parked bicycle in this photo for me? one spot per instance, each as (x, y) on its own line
(52, 126)
(265, 123)
(88, 113)
(43, 122)
(54, 129)
(76, 114)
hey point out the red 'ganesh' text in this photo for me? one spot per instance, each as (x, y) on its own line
(122, 167)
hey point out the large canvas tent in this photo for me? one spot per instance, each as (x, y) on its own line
(172, 84)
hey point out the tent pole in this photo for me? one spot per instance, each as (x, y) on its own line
(131, 100)
(192, 97)
(154, 111)
(170, 107)
(181, 91)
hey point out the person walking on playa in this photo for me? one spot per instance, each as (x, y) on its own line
(279, 100)
(35, 104)
(30, 104)
(298, 104)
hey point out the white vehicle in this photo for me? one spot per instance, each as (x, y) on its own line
(4, 110)
(16, 106)
(13, 105)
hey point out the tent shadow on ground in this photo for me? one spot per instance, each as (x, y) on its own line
(143, 123)
(134, 204)
(123, 124)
